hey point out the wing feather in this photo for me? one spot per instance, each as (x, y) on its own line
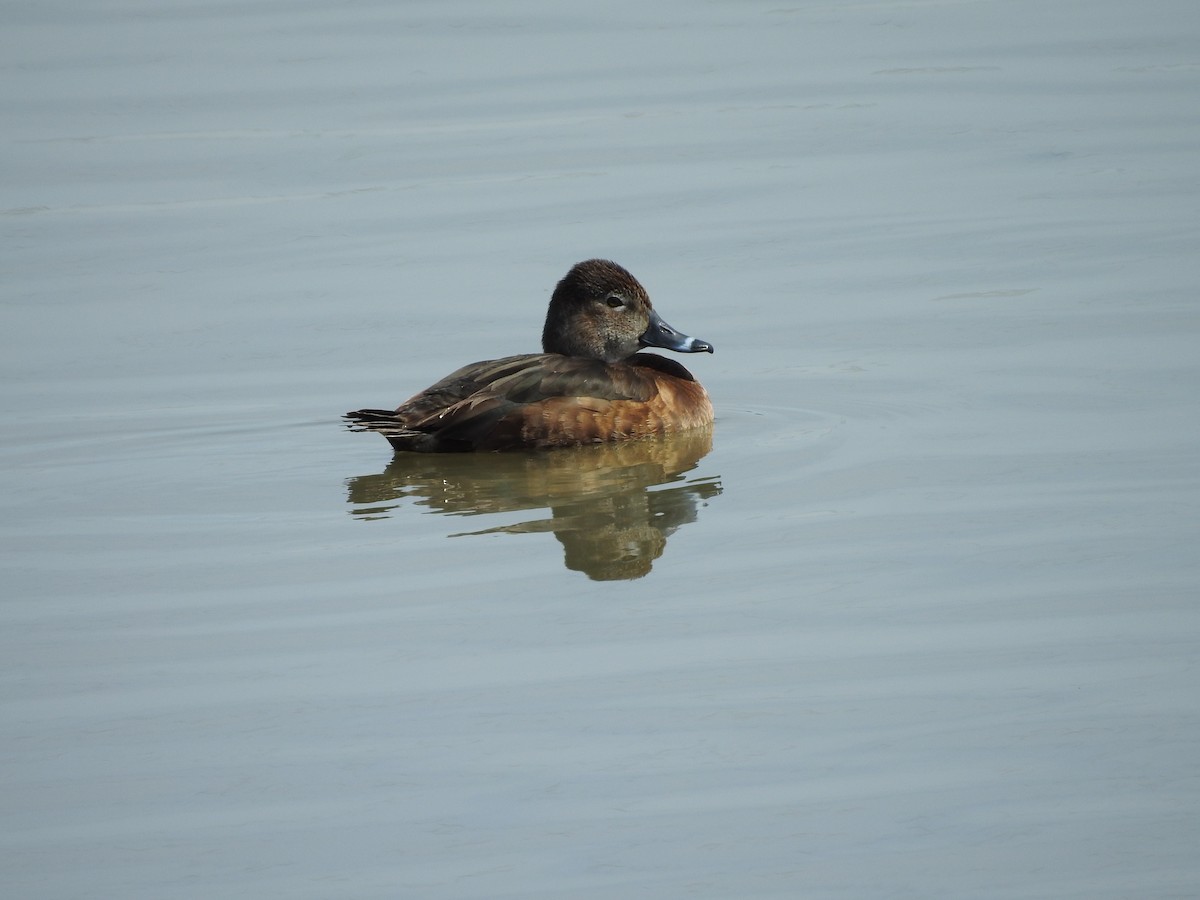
(538, 399)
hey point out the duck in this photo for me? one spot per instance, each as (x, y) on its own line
(592, 382)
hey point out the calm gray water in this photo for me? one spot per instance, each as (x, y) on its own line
(920, 617)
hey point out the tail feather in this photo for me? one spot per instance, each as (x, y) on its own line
(363, 419)
(387, 423)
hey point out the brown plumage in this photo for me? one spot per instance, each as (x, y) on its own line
(590, 385)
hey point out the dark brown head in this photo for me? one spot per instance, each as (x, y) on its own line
(600, 311)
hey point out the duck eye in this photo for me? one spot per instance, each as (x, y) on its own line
(614, 301)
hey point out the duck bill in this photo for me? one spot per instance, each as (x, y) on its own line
(660, 334)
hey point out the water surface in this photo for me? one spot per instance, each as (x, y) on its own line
(918, 618)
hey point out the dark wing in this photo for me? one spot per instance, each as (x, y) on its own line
(540, 399)
(459, 385)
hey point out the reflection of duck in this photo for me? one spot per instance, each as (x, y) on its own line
(590, 385)
(612, 525)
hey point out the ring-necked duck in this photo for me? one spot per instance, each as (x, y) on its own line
(590, 385)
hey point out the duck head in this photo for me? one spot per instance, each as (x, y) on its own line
(600, 311)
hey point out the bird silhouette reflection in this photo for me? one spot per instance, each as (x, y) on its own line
(611, 506)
